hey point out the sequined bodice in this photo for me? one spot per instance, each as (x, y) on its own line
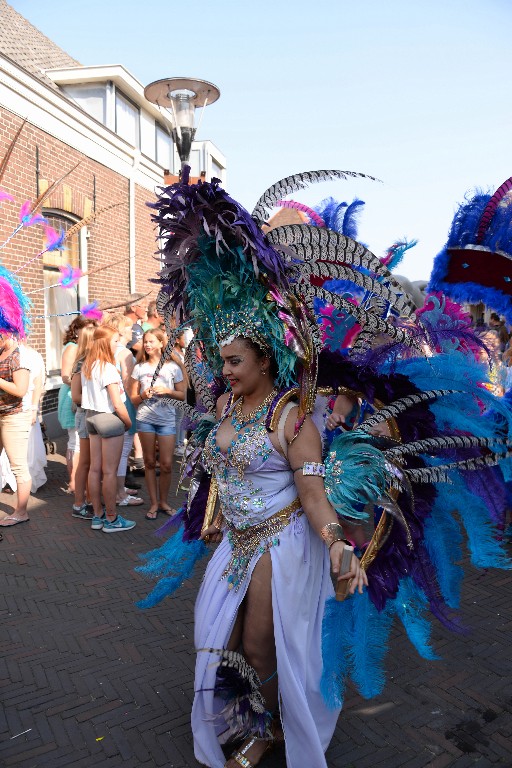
(253, 479)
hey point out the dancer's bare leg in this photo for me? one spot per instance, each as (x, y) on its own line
(257, 635)
(148, 442)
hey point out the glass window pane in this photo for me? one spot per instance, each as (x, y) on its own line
(92, 99)
(164, 149)
(127, 120)
(58, 301)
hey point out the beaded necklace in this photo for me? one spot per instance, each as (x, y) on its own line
(249, 439)
(241, 420)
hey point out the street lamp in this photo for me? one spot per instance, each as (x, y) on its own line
(183, 95)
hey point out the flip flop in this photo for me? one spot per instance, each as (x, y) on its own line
(130, 501)
(150, 517)
(12, 521)
(167, 512)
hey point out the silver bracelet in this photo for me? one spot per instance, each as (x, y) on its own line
(315, 468)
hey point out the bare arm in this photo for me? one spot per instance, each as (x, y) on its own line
(178, 393)
(119, 406)
(36, 396)
(76, 389)
(67, 361)
(343, 406)
(135, 393)
(306, 447)
(127, 365)
(19, 384)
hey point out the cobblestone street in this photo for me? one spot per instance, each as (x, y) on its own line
(87, 679)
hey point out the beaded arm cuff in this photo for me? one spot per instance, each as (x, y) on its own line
(333, 532)
(313, 468)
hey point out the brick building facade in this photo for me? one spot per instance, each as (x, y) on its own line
(96, 117)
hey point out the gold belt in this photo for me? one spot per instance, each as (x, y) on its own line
(260, 537)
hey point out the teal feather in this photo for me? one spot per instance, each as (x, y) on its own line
(443, 539)
(224, 283)
(355, 474)
(411, 605)
(174, 561)
(485, 549)
(335, 648)
(369, 645)
(461, 412)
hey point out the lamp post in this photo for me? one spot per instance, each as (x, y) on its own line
(183, 95)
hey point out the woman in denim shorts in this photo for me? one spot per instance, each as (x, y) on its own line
(156, 418)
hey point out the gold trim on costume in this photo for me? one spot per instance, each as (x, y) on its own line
(247, 541)
(210, 505)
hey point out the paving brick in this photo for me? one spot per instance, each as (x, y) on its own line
(79, 662)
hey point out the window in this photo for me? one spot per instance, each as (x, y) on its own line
(164, 149)
(58, 301)
(216, 170)
(127, 120)
(92, 99)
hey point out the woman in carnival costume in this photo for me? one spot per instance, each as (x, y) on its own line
(272, 642)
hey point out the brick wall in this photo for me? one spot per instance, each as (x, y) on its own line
(108, 239)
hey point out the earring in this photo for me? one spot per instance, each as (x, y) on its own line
(263, 373)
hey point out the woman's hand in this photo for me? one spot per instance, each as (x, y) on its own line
(336, 420)
(212, 535)
(159, 389)
(356, 574)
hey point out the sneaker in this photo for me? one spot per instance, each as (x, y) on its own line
(119, 524)
(179, 450)
(82, 512)
(97, 523)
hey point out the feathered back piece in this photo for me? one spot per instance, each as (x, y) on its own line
(14, 306)
(476, 262)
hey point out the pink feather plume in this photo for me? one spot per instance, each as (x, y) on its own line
(69, 276)
(91, 311)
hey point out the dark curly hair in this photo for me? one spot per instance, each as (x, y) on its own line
(74, 327)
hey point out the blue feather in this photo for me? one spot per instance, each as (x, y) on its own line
(350, 219)
(443, 539)
(174, 561)
(398, 251)
(410, 605)
(335, 643)
(365, 475)
(486, 551)
(370, 635)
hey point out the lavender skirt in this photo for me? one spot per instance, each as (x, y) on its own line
(300, 586)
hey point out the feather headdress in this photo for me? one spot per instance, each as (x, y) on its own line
(475, 265)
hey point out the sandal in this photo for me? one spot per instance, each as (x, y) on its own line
(169, 512)
(13, 520)
(151, 515)
(239, 755)
(130, 501)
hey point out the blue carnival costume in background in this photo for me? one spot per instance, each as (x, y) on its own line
(337, 322)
